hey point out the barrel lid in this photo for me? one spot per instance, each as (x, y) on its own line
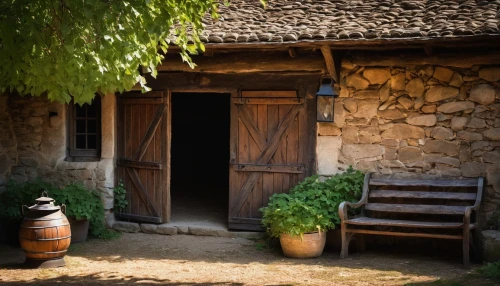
(45, 203)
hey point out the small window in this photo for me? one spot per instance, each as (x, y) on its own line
(84, 131)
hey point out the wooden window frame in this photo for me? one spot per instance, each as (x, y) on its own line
(83, 155)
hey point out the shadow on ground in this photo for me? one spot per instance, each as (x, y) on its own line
(180, 252)
(103, 279)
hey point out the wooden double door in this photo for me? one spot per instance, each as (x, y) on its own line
(269, 147)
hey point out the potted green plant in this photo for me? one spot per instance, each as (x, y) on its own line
(82, 206)
(11, 200)
(301, 218)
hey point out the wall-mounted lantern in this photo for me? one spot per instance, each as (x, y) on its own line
(325, 99)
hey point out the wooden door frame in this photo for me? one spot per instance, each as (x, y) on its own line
(232, 143)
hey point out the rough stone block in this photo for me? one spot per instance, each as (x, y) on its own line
(492, 134)
(350, 134)
(455, 106)
(29, 161)
(390, 142)
(403, 131)
(356, 81)
(148, 228)
(491, 157)
(479, 145)
(350, 104)
(476, 123)
(33, 121)
(327, 152)
(124, 226)
(491, 244)
(369, 135)
(410, 154)
(483, 94)
(166, 229)
(458, 123)
(438, 93)
(422, 120)
(377, 75)
(473, 169)
(443, 74)
(456, 80)
(203, 231)
(415, 87)
(367, 109)
(441, 146)
(429, 108)
(490, 73)
(391, 114)
(469, 136)
(361, 151)
(328, 129)
(398, 81)
(405, 102)
(442, 133)
(367, 166)
(438, 158)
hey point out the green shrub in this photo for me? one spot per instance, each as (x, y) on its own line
(18, 194)
(491, 270)
(120, 200)
(312, 205)
(80, 202)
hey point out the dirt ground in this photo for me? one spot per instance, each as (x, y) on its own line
(146, 259)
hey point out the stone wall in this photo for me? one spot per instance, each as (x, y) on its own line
(421, 121)
(33, 144)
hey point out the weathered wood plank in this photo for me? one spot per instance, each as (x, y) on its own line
(122, 162)
(330, 63)
(269, 94)
(420, 209)
(244, 63)
(289, 168)
(406, 59)
(422, 195)
(141, 190)
(264, 158)
(146, 100)
(432, 183)
(268, 101)
(407, 234)
(404, 223)
(155, 122)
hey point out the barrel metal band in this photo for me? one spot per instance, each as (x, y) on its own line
(49, 226)
(48, 239)
(47, 252)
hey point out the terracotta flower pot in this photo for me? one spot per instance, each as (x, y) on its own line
(308, 246)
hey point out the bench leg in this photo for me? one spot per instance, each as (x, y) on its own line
(344, 250)
(360, 243)
(465, 247)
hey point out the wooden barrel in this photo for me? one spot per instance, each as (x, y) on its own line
(46, 237)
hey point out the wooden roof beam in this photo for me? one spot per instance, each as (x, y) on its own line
(330, 63)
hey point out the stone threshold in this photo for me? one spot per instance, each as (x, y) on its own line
(185, 229)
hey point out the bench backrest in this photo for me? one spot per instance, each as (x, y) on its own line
(401, 198)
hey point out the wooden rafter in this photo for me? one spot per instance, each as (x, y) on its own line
(330, 63)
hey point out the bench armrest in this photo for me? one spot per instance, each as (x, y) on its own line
(343, 206)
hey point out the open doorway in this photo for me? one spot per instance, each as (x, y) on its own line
(199, 185)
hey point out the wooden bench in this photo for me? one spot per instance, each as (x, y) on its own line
(415, 208)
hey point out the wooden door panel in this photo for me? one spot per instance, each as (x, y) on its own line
(268, 146)
(144, 140)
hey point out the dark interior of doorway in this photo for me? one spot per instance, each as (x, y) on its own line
(199, 185)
